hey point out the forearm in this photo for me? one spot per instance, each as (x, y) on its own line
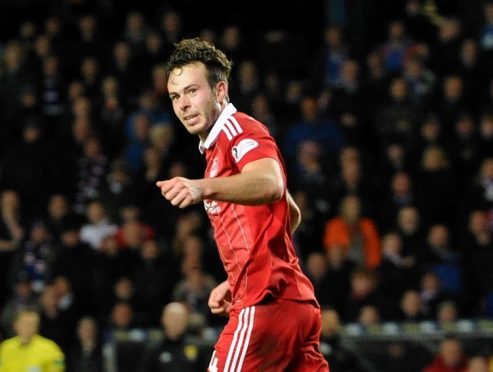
(249, 188)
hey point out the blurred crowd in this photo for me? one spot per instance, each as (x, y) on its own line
(389, 152)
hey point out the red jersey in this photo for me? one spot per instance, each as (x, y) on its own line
(254, 242)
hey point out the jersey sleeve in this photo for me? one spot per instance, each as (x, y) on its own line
(253, 144)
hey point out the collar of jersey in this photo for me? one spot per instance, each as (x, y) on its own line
(216, 128)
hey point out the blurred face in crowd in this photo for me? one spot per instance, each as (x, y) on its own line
(42, 45)
(39, 233)
(331, 323)
(70, 237)
(122, 315)
(231, 37)
(96, 212)
(27, 325)
(477, 364)
(392, 244)
(351, 208)
(452, 87)
(438, 236)
(57, 206)
(401, 184)
(408, 219)
(487, 169)
(486, 124)
(87, 25)
(411, 303)
(31, 133)
(478, 223)
(87, 330)
(451, 352)
(368, 316)
(430, 282)
(398, 89)
(447, 312)
(175, 319)
(317, 265)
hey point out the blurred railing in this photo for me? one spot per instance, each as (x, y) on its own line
(376, 346)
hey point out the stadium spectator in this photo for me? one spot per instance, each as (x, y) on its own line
(338, 355)
(29, 350)
(21, 297)
(12, 231)
(411, 307)
(98, 225)
(450, 358)
(86, 355)
(356, 234)
(177, 351)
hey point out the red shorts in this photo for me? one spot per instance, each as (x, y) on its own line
(277, 336)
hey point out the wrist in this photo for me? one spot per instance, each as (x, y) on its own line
(205, 186)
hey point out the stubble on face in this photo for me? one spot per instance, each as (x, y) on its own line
(201, 110)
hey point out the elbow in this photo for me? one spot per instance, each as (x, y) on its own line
(275, 191)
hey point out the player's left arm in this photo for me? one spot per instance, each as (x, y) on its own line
(260, 182)
(294, 212)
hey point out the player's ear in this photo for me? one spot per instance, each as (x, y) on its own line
(222, 91)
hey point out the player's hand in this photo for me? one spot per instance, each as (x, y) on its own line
(220, 299)
(180, 191)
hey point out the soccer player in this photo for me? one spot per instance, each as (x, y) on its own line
(28, 351)
(274, 318)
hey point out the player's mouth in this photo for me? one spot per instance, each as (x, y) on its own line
(191, 119)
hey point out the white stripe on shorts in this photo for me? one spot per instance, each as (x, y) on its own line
(241, 339)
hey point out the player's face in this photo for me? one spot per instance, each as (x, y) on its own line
(195, 102)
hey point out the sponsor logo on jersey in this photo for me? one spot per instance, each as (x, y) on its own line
(212, 207)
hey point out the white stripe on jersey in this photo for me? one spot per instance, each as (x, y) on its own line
(226, 130)
(235, 123)
(231, 128)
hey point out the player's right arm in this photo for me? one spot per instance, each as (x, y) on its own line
(260, 182)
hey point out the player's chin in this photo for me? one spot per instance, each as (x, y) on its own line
(195, 132)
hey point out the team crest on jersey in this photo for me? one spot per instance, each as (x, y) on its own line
(212, 207)
(243, 147)
(214, 168)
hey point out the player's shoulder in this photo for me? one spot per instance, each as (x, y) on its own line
(240, 125)
(248, 122)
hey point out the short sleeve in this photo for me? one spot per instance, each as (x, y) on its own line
(251, 146)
